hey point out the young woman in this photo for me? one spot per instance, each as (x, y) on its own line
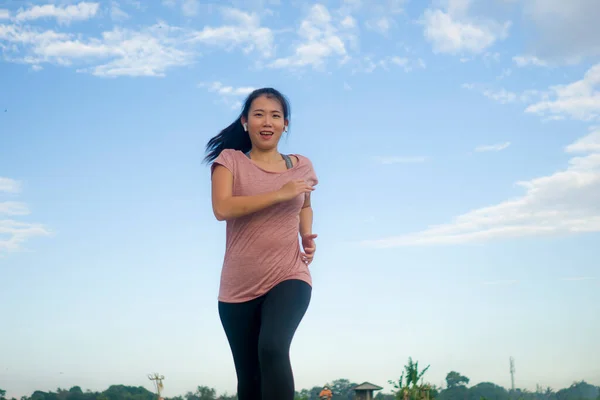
(265, 285)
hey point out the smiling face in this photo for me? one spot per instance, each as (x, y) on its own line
(266, 122)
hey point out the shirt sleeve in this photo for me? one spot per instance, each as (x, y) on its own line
(225, 159)
(311, 175)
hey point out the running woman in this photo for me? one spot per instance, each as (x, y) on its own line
(265, 288)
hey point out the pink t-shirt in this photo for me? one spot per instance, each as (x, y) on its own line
(262, 249)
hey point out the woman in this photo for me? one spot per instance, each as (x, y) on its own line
(265, 285)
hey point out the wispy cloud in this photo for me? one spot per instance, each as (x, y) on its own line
(116, 13)
(579, 100)
(14, 233)
(8, 185)
(524, 61)
(504, 282)
(319, 40)
(4, 14)
(565, 32)
(229, 95)
(388, 63)
(492, 147)
(400, 160)
(148, 51)
(13, 208)
(242, 30)
(562, 203)
(451, 30)
(190, 8)
(504, 96)
(116, 53)
(579, 278)
(63, 14)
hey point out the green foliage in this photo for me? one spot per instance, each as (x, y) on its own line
(410, 386)
(454, 379)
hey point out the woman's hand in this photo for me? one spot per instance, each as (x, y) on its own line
(293, 189)
(309, 246)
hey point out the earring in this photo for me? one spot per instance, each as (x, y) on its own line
(245, 127)
(285, 128)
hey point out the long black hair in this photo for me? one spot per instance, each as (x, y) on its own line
(234, 136)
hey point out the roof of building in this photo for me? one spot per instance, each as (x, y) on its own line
(367, 386)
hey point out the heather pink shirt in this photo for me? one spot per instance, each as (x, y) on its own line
(262, 249)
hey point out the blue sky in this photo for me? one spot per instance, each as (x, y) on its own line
(457, 144)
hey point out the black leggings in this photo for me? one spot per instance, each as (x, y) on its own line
(260, 333)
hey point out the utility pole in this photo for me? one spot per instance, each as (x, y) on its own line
(157, 380)
(512, 374)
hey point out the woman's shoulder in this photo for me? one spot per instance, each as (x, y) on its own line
(303, 160)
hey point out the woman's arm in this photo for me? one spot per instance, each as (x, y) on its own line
(306, 217)
(226, 206)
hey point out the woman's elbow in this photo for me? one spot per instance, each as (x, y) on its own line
(219, 213)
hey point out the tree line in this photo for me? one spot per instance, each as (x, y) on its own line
(411, 385)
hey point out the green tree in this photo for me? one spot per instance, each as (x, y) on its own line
(408, 387)
(202, 393)
(488, 390)
(342, 389)
(2, 394)
(454, 379)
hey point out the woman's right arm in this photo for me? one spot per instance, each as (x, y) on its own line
(227, 206)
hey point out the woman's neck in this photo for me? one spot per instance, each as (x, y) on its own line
(266, 156)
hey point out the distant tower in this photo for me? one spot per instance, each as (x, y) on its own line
(158, 383)
(512, 374)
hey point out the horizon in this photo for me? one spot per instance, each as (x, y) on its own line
(457, 146)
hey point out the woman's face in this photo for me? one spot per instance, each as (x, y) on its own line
(266, 122)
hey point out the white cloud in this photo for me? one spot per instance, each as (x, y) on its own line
(368, 65)
(190, 7)
(388, 160)
(348, 22)
(150, 51)
(566, 32)
(492, 147)
(381, 24)
(13, 208)
(563, 203)
(65, 14)
(229, 95)
(8, 185)
(579, 279)
(224, 90)
(244, 31)
(504, 96)
(116, 53)
(579, 100)
(453, 31)
(320, 40)
(524, 61)
(4, 14)
(505, 282)
(14, 233)
(116, 13)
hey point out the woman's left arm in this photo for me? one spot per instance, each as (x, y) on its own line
(305, 229)
(306, 217)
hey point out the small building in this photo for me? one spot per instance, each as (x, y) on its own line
(365, 390)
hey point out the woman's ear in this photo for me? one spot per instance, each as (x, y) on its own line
(244, 123)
